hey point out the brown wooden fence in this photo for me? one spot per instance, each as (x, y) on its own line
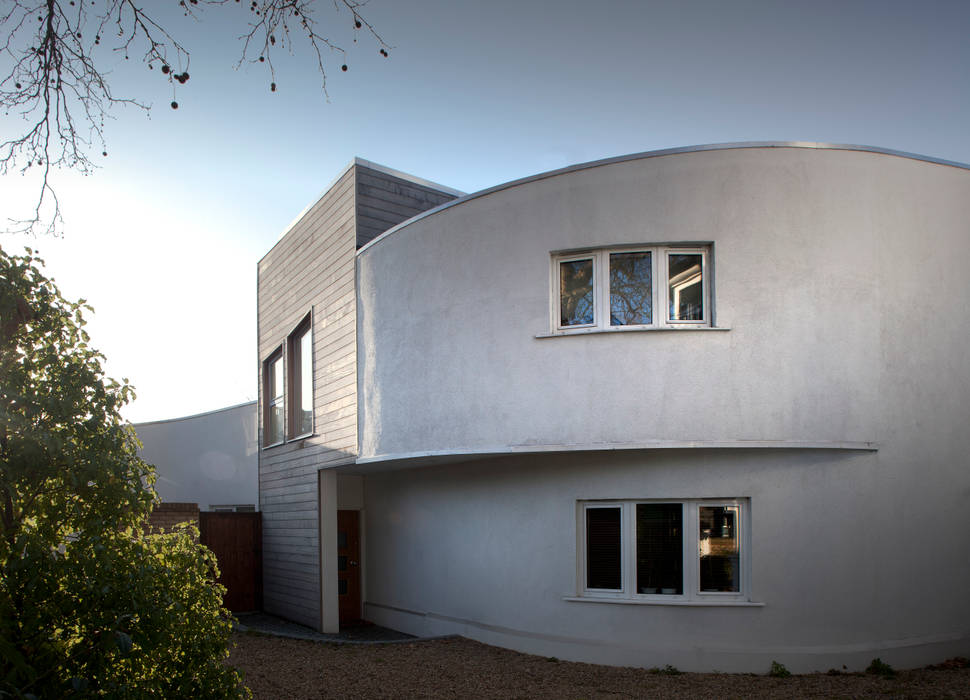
(237, 541)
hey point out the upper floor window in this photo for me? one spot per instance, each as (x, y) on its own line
(630, 287)
(300, 356)
(273, 398)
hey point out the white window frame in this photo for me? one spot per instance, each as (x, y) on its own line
(660, 289)
(691, 554)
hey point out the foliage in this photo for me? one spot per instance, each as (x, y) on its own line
(879, 667)
(90, 604)
(667, 670)
(56, 56)
(778, 670)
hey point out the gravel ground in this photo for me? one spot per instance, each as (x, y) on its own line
(276, 667)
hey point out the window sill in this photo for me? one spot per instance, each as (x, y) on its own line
(654, 601)
(289, 441)
(653, 329)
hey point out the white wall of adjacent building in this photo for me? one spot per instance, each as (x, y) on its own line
(210, 458)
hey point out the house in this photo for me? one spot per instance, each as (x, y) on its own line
(705, 407)
(208, 460)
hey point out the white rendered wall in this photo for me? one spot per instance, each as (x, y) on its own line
(209, 459)
(842, 278)
(846, 567)
(840, 274)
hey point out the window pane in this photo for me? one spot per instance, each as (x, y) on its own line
(686, 286)
(603, 548)
(276, 378)
(576, 292)
(660, 548)
(275, 429)
(305, 409)
(720, 550)
(631, 289)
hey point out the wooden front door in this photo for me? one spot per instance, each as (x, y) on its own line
(348, 566)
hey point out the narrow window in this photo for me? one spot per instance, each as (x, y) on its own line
(719, 549)
(685, 276)
(604, 553)
(660, 548)
(631, 289)
(300, 345)
(273, 395)
(576, 292)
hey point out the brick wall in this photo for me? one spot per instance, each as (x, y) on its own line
(167, 515)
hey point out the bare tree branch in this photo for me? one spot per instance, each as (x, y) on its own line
(51, 63)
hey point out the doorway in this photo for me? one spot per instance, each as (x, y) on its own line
(348, 566)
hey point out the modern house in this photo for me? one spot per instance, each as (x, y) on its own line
(706, 407)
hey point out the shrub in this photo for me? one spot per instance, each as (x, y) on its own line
(880, 668)
(90, 603)
(778, 670)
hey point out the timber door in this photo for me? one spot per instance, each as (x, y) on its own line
(348, 566)
(237, 541)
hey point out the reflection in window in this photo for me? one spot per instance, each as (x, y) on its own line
(660, 548)
(631, 286)
(274, 399)
(603, 548)
(686, 288)
(576, 292)
(301, 362)
(719, 550)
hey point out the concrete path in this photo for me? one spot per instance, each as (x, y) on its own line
(263, 623)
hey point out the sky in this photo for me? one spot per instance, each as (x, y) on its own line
(163, 240)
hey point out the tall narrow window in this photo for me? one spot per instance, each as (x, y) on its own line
(576, 292)
(719, 549)
(300, 347)
(660, 548)
(604, 552)
(685, 273)
(273, 399)
(631, 289)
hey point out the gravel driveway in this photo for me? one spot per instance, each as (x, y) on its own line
(276, 667)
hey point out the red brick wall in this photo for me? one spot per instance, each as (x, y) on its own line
(167, 515)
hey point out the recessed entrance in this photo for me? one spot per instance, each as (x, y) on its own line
(348, 566)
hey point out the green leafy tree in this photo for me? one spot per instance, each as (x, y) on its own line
(91, 603)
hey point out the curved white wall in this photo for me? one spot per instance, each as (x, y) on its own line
(842, 277)
(209, 459)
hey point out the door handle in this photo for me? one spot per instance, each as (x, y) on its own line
(352, 562)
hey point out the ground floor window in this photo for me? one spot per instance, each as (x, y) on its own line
(664, 550)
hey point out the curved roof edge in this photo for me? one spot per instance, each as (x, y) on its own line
(663, 152)
(195, 415)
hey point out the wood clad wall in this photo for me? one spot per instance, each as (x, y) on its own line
(384, 201)
(312, 267)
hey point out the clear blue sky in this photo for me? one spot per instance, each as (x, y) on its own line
(164, 239)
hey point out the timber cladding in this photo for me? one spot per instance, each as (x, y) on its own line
(311, 271)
